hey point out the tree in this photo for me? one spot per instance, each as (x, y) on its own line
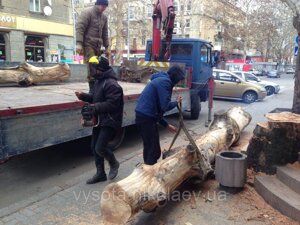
(294, 5)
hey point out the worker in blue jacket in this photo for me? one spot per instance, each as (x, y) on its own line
(153, 102)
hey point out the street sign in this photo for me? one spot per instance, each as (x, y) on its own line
(296, 51)
(297, 39)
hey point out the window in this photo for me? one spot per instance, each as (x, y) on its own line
(35, 6)
(188, 23)
(34, 49)
(205, 54)
(2, 48)
(143, 40)
(149, 11)
(182, 8)
(175, 6)
(182, 49)
(227, 77)
(249, 76)
(189, 6)
(239, 74)
(131, 13)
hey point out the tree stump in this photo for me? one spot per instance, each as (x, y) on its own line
(276, 142)
(26, 74)
(149, 187)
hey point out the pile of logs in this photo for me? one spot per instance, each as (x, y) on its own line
(275, 142)
(149, 187)
(26, 74)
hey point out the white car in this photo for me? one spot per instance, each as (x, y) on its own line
(271, 87)
(290, 71)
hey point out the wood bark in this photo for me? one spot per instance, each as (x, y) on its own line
(26, 74)
(149, 187)
(275, 142)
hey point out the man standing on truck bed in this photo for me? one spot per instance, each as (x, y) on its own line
(107, 104)
(153, 102)
(92, 34)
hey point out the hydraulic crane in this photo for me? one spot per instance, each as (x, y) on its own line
(163, 17)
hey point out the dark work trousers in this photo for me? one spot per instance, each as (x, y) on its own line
(147, 127)
(100, 139)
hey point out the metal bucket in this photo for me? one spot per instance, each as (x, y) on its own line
(231, 169)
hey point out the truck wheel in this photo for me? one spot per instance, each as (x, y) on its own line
(118, 139)
(195, 106)
(249, 97)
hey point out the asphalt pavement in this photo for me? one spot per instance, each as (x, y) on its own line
(49, 181)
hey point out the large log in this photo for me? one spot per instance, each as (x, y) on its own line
(275, 142)
(26, 74)
(149, 187)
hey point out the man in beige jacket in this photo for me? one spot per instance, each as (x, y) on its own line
(92, 34)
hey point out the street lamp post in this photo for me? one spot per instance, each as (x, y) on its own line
(74, 27)
(128, 33)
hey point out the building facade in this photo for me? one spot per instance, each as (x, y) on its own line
(36, 30)
(209, 20)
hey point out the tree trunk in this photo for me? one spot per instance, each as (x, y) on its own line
(149, 187)
(275, 142)
(296, 101)
(26, 74)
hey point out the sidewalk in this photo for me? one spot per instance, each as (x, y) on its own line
(80, 204)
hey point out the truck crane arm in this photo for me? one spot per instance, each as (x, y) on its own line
(163, 16)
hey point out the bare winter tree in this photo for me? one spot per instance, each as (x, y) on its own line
(295, 7)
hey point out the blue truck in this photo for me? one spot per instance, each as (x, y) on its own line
(196, 54)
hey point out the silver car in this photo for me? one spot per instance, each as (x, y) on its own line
(271, 87)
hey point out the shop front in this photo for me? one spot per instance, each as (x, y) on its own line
(2, 48)
(34, 49)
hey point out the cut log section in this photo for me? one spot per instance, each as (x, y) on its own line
(149, 187)
(26, 74)
(275, 142)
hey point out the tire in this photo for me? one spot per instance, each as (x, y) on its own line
(118, 139)
(270, 90)
(195, 106)
(249, 97)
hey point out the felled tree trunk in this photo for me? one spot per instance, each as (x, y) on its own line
(149, 187)
(276, 142)
(26, 74)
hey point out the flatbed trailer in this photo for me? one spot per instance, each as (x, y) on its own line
(35, 117)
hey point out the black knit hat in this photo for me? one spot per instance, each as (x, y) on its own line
(102, 2)
(176, 74)
(103, 63)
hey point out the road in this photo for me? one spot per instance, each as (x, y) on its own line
(27, 175)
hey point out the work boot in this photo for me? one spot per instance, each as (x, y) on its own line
(114, 167)
(100, 176)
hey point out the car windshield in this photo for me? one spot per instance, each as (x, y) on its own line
(250, 77)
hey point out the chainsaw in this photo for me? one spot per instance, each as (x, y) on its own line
(89, 119)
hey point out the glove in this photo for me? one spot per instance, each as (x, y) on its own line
(79, 49)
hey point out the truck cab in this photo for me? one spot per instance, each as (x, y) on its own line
(195, 54)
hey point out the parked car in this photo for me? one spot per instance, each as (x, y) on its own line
(256, 72)
(271, 87)
(290, 71)
(273, 74)
(231, 86)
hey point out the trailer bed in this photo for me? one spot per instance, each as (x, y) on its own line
(40, 116)
(18, 97)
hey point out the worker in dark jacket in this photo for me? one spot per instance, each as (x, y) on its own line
(153, 102)
(92, 33)
(107, 103)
